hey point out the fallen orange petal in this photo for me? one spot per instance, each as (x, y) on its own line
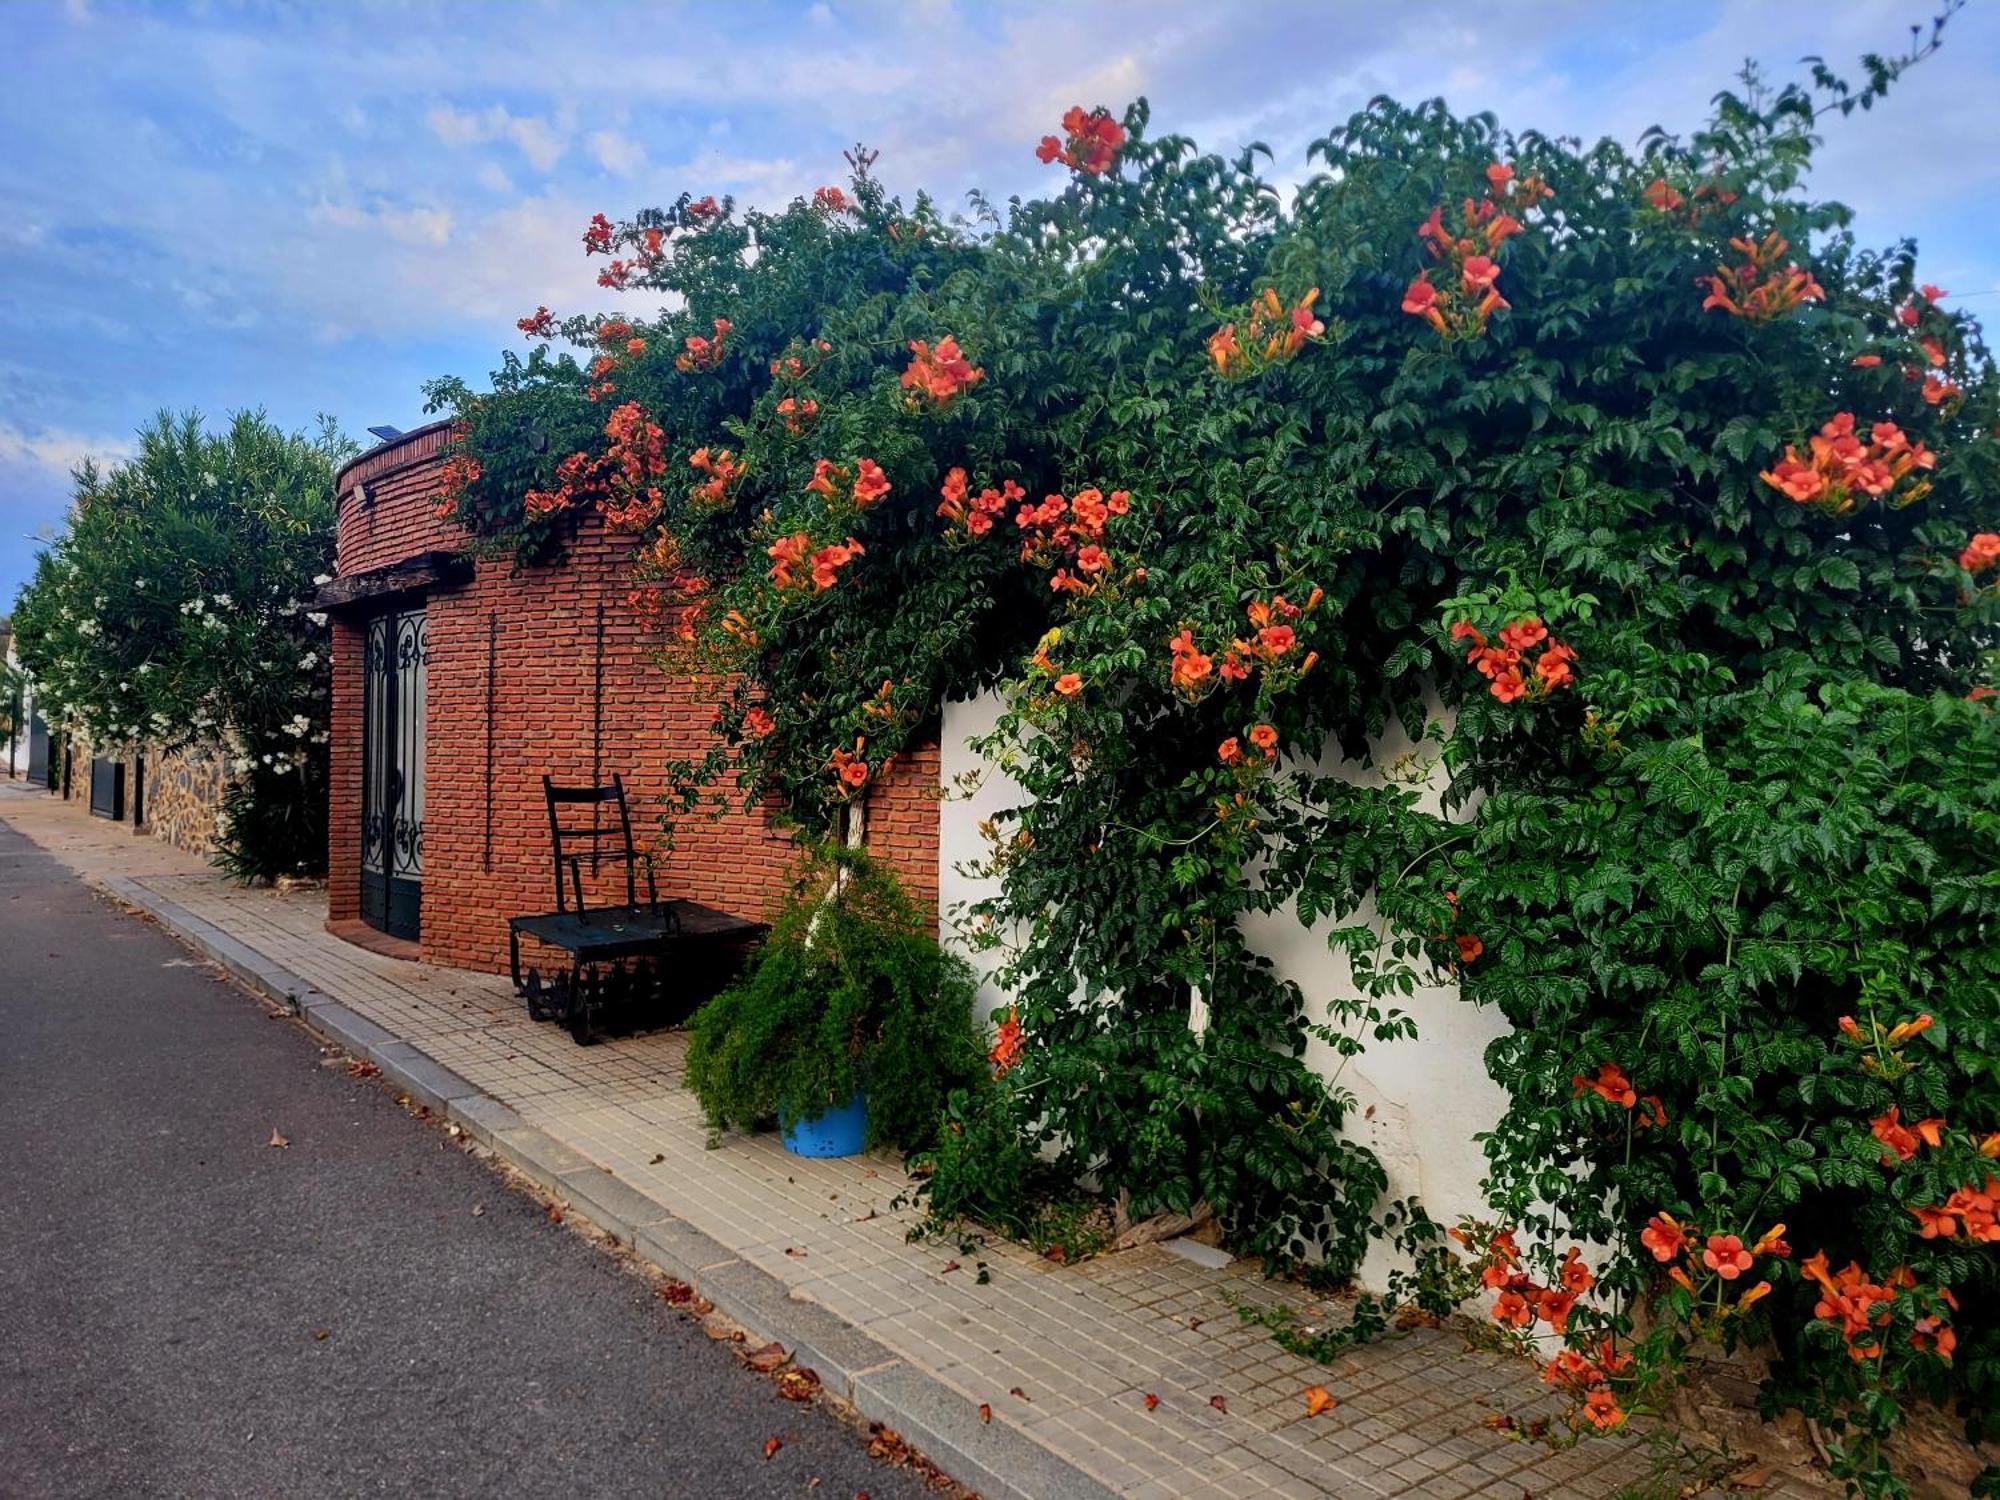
(1319, 1399)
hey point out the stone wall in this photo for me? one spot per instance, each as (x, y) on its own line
(183, 796)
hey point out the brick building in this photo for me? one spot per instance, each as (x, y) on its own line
(458, 681)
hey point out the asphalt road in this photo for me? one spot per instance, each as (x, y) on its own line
(186, 1310)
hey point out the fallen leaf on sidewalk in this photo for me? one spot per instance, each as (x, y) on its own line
(887, 1445)
(1751, 1479)
(949, 1267)
(675, 1293)
(479, 1210)
(277, 1140)
(656, 1158)
(985, 1412)
(767, 1358)
(1152, 1401)
(1017, 1391)
(795, 1252)
(772, 1445)
(1319, 1399)
(359, 1068)
(320, 1335)
(798, 1385)
(1196, 1322)
(1218, 1403)
(555, 1213)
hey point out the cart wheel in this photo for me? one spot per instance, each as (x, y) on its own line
(536, 996)
(582, 998)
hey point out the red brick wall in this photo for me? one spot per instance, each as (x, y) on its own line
(400, 517)
(343, 775)
(538, 629)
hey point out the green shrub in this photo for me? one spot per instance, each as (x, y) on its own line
(172, 611)
(850, 992)
(983, 1172)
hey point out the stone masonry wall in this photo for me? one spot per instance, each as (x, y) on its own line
(184, 794)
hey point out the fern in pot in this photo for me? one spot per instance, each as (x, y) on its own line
(851, 1018)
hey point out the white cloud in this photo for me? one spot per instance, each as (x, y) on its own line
(618, 153)
(409, 226)
(55, 451)
(542, 141)
(493, 178)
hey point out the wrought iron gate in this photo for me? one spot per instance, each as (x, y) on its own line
(394, 662)
(38, 749)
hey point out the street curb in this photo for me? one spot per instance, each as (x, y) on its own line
(995, 1459)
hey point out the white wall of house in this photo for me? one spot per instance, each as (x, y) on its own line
(14, 744)
(1419, 1104)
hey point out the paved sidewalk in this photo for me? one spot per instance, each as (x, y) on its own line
(814, 1253)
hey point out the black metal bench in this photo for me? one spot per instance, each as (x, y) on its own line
(617, 955)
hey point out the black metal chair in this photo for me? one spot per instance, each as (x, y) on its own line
(616, 954)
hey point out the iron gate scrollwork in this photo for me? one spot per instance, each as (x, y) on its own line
(395, 660)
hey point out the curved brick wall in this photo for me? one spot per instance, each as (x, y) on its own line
(398, 520)
(530, 642)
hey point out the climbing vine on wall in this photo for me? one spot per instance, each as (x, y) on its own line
(1656, 512)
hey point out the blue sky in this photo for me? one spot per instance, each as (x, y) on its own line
(316, 208)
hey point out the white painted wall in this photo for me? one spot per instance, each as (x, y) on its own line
(14, 746)
(1419, 1103)
(959, 842)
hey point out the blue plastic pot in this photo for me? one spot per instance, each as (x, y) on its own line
(838, 1132)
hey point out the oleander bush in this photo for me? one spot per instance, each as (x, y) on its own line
(173, 611)
(1659, 512)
